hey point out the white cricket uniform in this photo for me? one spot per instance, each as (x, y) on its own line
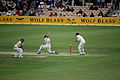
(46, 46)
(18, 50)
(81, 44)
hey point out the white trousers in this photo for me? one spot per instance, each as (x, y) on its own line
(81, 48)
(18, 52)
(47, 46)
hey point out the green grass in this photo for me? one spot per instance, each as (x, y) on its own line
(60, 68)
(100, 40)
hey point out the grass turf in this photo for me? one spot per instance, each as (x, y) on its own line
(60, 68)
(100, 40)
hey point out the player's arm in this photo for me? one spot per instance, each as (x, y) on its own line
(48, 40)
(21, 46)
(76, 41)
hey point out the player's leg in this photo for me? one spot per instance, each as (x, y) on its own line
(20, 53)
(50, 51)
(48, 47)
(40, 49)
(17, 52)
(82, 51)
(81, 48)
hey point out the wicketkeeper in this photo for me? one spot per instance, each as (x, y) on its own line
(19, 48)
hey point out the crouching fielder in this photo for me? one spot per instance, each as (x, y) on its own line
(19, 48)
(81, 44)
(46, 46)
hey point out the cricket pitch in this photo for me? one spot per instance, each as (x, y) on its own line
(60, 54)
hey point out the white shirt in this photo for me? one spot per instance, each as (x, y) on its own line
(41, 3)
(8, 14)
(80, 39)
(118, 15)
(47, 41)
(18, 44)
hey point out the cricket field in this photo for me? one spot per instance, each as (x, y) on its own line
(101, 62)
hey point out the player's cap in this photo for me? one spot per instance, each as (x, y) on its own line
(77, 34)
(45, 36)
(21, 39)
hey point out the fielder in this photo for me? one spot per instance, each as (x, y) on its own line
(19, 49)
(81, 44)
(46, 46)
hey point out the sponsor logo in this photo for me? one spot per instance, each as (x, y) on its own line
(19, 19)
(71, 21)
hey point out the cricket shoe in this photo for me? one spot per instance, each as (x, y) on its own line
(12, 55)
(20, 56)
(15, 56)
(38, 53)
(56, 52)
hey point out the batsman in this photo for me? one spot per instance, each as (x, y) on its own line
(47, 45)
